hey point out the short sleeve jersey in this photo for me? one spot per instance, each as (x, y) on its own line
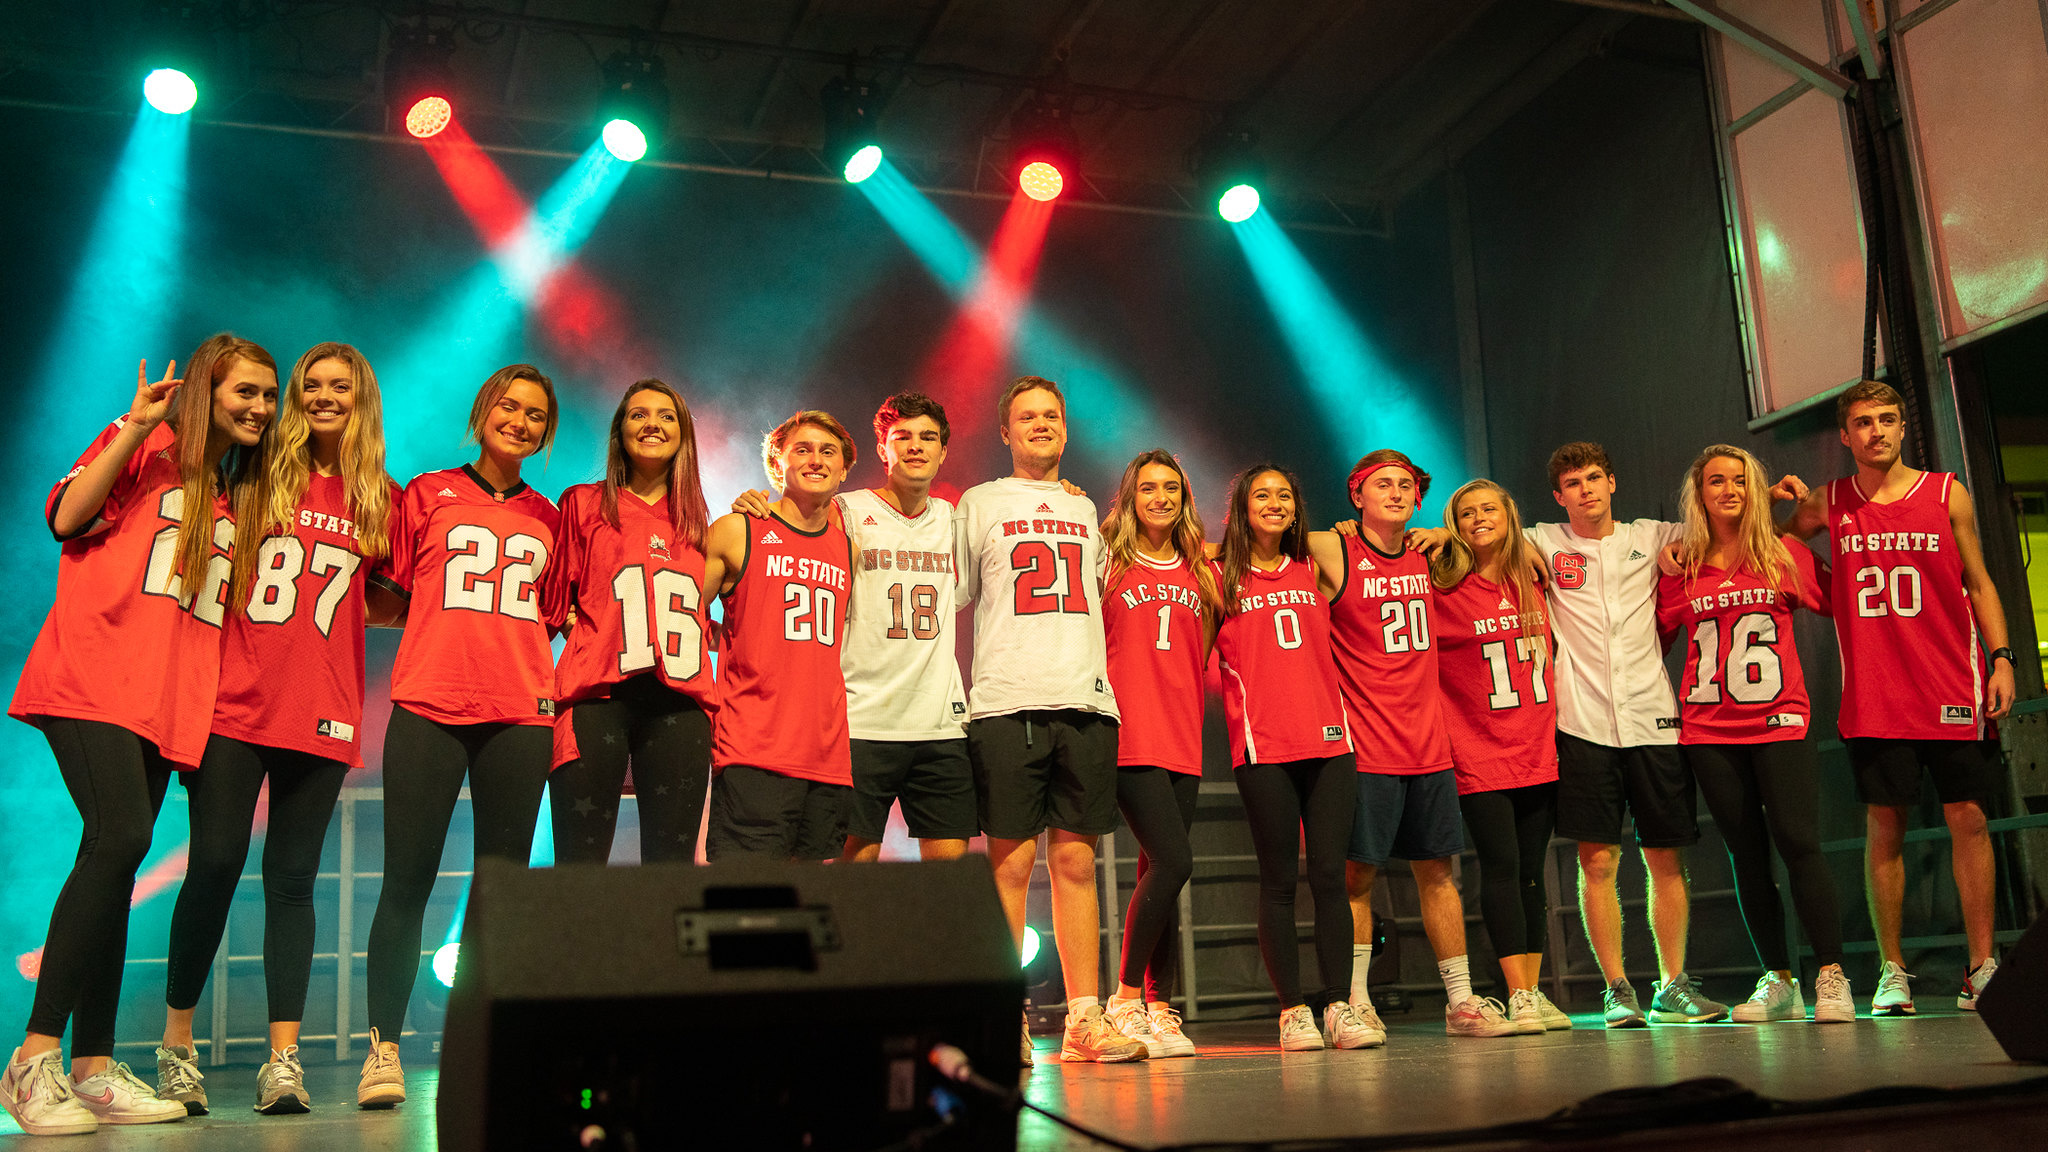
(781, 695)
(1029, 553)
(902, 677)
(1743, 684)
(638, 594)
(1384, 637)
(474, 561)
(1911, 669)
(1611, 684)
(1281, 699)
(127, 642)
(1152, 623)
(1496, 682)
(291, 672)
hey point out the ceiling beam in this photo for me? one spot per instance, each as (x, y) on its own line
(1767, 46)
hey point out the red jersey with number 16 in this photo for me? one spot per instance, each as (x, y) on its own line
(1496, 685)
(1743, 684)
(1152, 623)
(1280, 695)
(781, 695)
(1381, 630)
(476, 645)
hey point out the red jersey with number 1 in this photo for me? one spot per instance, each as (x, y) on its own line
(291, 668)
(1280, 695)
(1152, 622)
(123, 643)
(1743, 683)
(781, 695)
(1383, 634)
(1496, 685)
(476, 647)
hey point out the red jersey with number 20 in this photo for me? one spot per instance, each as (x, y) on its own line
(781, 695)
(1910, 665)
(1497, 686)
(1280, 695)
(1743, 683)
(1381, 629)
(476, 647)
(1152, 623)
(291, 668)
(119, 645)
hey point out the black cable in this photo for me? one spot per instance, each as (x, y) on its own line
(953, 1064)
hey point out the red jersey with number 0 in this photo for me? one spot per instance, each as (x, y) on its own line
(1384, 637)
(291, 667)
(476, 648)
(1280, 695)
(1496, 686)
(781, 696)
(1910, 665)
(120, 645)
(1152, 622)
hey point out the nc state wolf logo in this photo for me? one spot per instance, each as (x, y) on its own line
(1569, 570)
(656, 546)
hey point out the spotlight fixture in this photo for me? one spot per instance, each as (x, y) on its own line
(179, 45)
(1046, 152)
(851, 148)
(1226, 163)
(419, 87)
(170, 91)
(634, 109)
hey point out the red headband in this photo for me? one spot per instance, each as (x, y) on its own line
(1359, 478)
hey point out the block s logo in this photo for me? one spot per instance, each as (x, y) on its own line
(1569, 570)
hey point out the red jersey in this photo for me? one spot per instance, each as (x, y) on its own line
(1152, 623)
(1743, 684)
(476, 647)
(1384, 637)
(291, 669)
(125, 643)
(1496, 686)
(1910, 665)
(1280, 695)
(781, 697)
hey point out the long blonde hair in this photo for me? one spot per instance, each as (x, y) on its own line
(1518, 557)
(270, 503)
(1120, 529)
(191, 420)
(1757, 545)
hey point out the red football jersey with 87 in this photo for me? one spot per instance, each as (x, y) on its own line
(1152, 623)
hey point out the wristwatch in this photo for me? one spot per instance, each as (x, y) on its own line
(2005, 652)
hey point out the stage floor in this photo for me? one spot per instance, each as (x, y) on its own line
(1241, 1088)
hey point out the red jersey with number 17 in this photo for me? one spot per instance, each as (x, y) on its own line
(1743, 683)
(781, 695)
(1280, 695)
(1152, 623)
(1382, 632)
(476, 647)
(1496, 685)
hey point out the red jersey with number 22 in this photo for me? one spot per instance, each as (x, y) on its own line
(1280, 696)
(781, 695)
(1497, 685)
(1743, 683)
(1381, 629)
(1152, 623)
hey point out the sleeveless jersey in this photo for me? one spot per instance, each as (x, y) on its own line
(1030, 553)
(126, 641)
(1280, 694)
(902, 677)
(1381, 630)
(781, 697)
(1498, 706)
(476, 647)
(1152, 623)
(1743, 684)
(291, 666)
(1910, 665)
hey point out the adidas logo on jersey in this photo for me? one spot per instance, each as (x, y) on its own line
(1728, 583)
(1785, 720)
(867, 521)
(1506, 604)
(448, 492)
(770, 537)
(334, 729)
(1365, 564)
(1958, 714)
(1045, 509)
(1844, 521)
(164, 455)
(1333, 732)
(1635, 555)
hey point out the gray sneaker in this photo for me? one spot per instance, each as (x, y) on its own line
(178, 1078)
(1622, 1010)
(281, 1084)
(1681, 1002)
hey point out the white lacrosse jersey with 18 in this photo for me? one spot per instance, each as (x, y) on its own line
(902, 679)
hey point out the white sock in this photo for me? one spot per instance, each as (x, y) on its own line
(1078, 1006)
(1116, 1002)
(1457, 979)
(1361, 959)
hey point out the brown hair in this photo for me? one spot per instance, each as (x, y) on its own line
(1237, 531)
(687, 510)
(1120, 529)
(494, 389)
(772, 443)
(1576, 455)
(1374, 459)
(1866, 392)
(1023, 384)
(908, 406)
(191, 420)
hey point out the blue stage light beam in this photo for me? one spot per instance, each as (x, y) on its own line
(945, 251)
(561, 222)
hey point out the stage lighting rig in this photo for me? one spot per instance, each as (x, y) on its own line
(419, 84)
(1226, 162)
(1045, 152)
(851, 146)
(177, 43)
(634, 109)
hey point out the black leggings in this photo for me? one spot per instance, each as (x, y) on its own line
(1281, 803)
(424, 765)
(222, 797)
(1765, 794)
(667, 735)
(1159, 805)
(1510, 830)
(117, 779)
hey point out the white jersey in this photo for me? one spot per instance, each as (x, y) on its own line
(1611, 685)
(1032, 556)
(902, 679)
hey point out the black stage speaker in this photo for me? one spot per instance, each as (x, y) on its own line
(2015, 1004)
(755, 1004)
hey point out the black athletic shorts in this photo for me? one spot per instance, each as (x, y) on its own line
(932, 779)
(1598, 785)
(1406, 817)
(1888, 771)
(1044, 769)
(755, 812)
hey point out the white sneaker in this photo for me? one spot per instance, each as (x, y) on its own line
(1025, 1057)
(1298, 1030)
(178, 1078)
(1525, 1012)
(1130, 1018)
(1894, 997)
(383, 1081)
(1370, 1017)
(1166, 1029)
(1973, 984)
(1343, 1027)
(1477, 1016)
(118, 1096)
(1555, 1019)
(1089, 1039)
(1832, 1001)
(281, 1084)
(1775, 998)
(38, 1095)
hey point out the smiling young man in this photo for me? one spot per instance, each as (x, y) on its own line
(1912, 603)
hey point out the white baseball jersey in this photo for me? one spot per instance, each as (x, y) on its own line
(902, 679)
(1032, 556)
(1611, 684)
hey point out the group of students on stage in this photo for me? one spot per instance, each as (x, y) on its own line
(1386, 690)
